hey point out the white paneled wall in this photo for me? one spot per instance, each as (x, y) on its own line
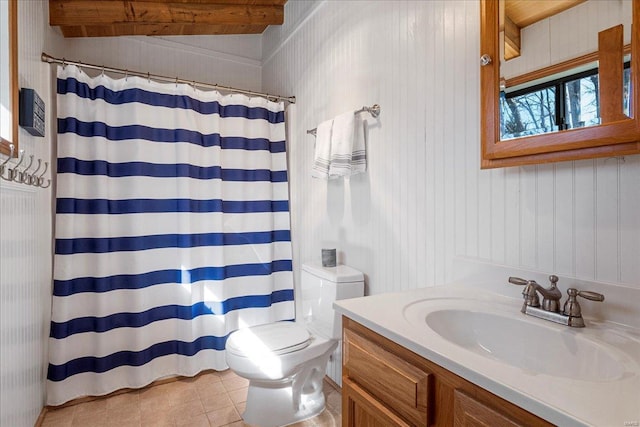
(25, 245)
(233, 64)
(424, 199)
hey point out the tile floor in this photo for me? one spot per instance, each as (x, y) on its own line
(211, 399)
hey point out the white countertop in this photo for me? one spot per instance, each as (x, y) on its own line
(562, 401)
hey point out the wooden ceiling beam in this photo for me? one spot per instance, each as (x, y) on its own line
(158, 30)
(109, 12)
(511, 39)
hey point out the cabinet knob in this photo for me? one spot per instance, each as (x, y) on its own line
(485, 60)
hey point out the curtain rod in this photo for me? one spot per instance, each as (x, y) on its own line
(51, 60)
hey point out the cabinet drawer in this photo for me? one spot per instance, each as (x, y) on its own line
(387, 377)
(471, 412)
(364, 410)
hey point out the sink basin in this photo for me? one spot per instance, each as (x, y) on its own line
(535, 348)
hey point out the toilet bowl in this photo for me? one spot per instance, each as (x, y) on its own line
(285, 362)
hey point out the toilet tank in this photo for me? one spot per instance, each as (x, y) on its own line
(320, 287)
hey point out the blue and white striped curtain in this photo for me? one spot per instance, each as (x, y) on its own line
(172, 230)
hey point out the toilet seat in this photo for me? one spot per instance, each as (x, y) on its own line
(274, 338)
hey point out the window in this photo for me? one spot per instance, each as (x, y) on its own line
(566, 102)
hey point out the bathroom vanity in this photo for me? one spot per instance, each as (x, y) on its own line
(464, 355)
(385, 384)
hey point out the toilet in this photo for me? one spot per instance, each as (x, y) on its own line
(285, 362)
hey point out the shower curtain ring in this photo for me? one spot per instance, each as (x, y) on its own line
(176, 81)
(64, 63)
(148, 77)
(126, 75)
(103, 71)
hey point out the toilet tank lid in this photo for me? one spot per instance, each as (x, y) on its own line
(337, 274)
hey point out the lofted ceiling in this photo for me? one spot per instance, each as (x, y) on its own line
(517, 14)
(108, 18)
(526, 12)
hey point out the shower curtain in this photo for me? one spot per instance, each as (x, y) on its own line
(171, 230)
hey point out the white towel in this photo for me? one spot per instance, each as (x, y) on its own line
(348, 156)
(358, 153)
(322, 154)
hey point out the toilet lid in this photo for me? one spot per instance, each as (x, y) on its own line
(274, 338)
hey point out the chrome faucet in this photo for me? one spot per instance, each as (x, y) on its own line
(550, 296)
(571, 314)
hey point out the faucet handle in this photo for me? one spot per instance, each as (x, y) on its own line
(572, 308)
(593, 296)
(529, 292)
(553, 279)
(518, 281)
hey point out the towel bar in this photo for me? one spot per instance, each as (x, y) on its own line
(374, 110)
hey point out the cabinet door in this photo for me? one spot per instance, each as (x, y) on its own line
(469, 412)
(389, 378)
(360, 409)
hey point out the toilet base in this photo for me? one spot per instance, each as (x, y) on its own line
(269, 407)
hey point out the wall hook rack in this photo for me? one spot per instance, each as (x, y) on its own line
(23, 176)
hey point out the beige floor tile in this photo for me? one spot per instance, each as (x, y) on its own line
(224, 416)
(97, 419)
(157, 390)
(334, 400)
(327, 419)
(57, 422)
(187, 410)
(240, 407)
(238, 396)
(62, 413)
(235, 383)
(157, 422)
(125, 400)
(133, 422)
(200, 420)
(210, 389)
(161, 415)
(93, 407)
(227, 374)
(124, 415)
(180, 395)
(219, 401)
(210, 399)
(154, 403)
(206, 378)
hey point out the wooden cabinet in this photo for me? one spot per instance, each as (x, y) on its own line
(384, 384)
